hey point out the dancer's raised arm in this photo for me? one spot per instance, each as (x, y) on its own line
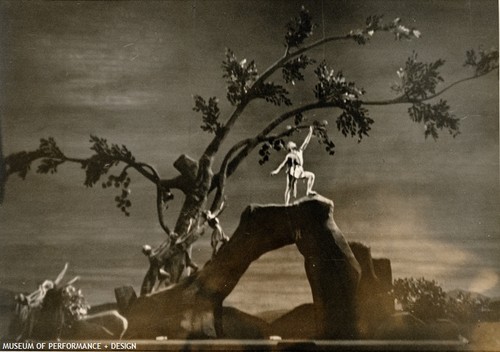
(308, 139)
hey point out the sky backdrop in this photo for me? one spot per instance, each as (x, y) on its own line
(127, 71)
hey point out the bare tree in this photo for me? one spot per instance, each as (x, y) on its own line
(420, 87)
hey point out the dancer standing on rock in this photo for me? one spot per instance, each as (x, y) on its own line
(294, 162)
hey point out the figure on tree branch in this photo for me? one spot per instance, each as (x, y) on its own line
(218, 234)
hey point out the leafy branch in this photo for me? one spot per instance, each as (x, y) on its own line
(239, 77)
(418, 84)
(108, 156)
(105, 157)
(333, 87)
(244, 83)
(292, 70)
(418, 80)
(485, 63)
(299, 29)
(272, 93)
(210, 114)
(375, 23)
(20, 163)
(434, 117)
(332, 90)
(242, 77)
(302, 28)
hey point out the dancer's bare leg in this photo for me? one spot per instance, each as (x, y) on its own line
(310, 182)
(290, 185)
(287, 194)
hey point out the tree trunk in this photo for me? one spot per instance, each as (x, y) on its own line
(171, 255)
(193, 308)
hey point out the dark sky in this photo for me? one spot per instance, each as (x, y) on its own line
(127, 71)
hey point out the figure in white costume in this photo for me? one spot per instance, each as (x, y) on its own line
(294, 162)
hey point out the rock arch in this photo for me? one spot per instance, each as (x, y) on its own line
(193, 308)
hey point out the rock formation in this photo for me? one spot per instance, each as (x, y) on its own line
(193, 308)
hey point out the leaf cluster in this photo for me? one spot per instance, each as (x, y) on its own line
(292, 70)
(20, 163)
(375, 23)
(434, 117)
(298, 119)
(53, 156)
(334, 88)
(299, 29)
(122, 200)
(272, 93)
(239, 77)
(418, 80)
(105, 157)
(321, 131)
(486, 61)
(276, 144)
(210, 114)
(354, 121)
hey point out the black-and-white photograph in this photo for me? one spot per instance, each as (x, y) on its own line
(249, 175)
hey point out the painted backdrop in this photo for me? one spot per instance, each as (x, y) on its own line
(127, 71)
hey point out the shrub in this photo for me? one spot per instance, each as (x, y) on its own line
(427, 301)
(465, 308)
(424, 299)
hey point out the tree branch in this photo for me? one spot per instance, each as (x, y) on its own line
(213, 147)
(141, 167)
(458, 82)
(290, 55)
(404, 100)
(231, 163)
(220, 179)
(163, 194)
